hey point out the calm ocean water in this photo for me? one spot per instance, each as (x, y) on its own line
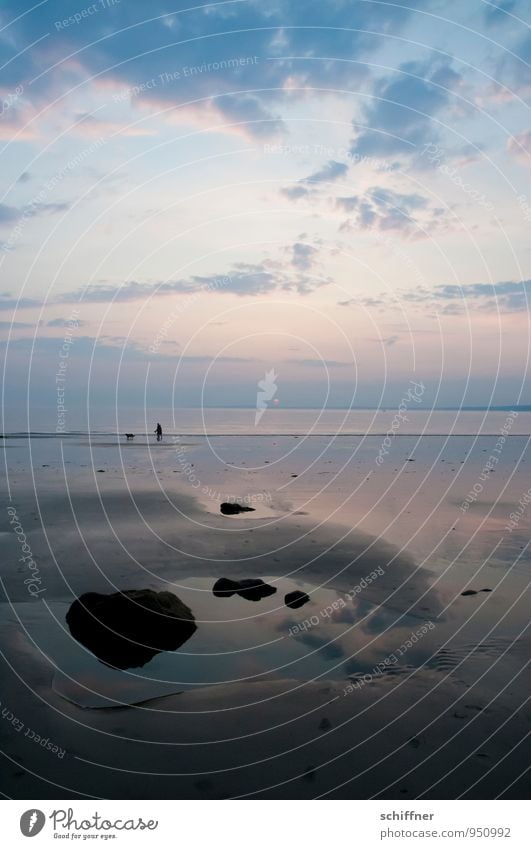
(278, 421)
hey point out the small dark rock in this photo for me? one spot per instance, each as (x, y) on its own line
(230, 509)
(296, 599)
(225, 587)
(254, 589)
(251, 589)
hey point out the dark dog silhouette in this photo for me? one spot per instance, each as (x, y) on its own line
(130, 436)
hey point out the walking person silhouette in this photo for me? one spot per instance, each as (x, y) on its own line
(158, 431)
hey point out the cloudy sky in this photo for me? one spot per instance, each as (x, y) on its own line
(194, 195)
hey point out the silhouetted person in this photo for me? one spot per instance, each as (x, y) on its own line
(158, 431)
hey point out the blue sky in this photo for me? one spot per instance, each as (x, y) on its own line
(196, 194)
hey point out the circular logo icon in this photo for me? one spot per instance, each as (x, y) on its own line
(32, 822)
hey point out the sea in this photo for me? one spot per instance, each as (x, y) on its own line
(275, 421)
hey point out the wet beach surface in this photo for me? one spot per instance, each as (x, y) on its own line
(399, 676)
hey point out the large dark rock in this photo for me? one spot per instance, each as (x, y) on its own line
(251, 589)
(127, 629)
(296, 599)
(230, 509)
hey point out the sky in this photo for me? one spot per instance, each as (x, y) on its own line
(197, 195)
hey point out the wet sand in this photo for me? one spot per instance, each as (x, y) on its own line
(404, 688)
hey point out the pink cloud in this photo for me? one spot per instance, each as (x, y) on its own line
(520, 146)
